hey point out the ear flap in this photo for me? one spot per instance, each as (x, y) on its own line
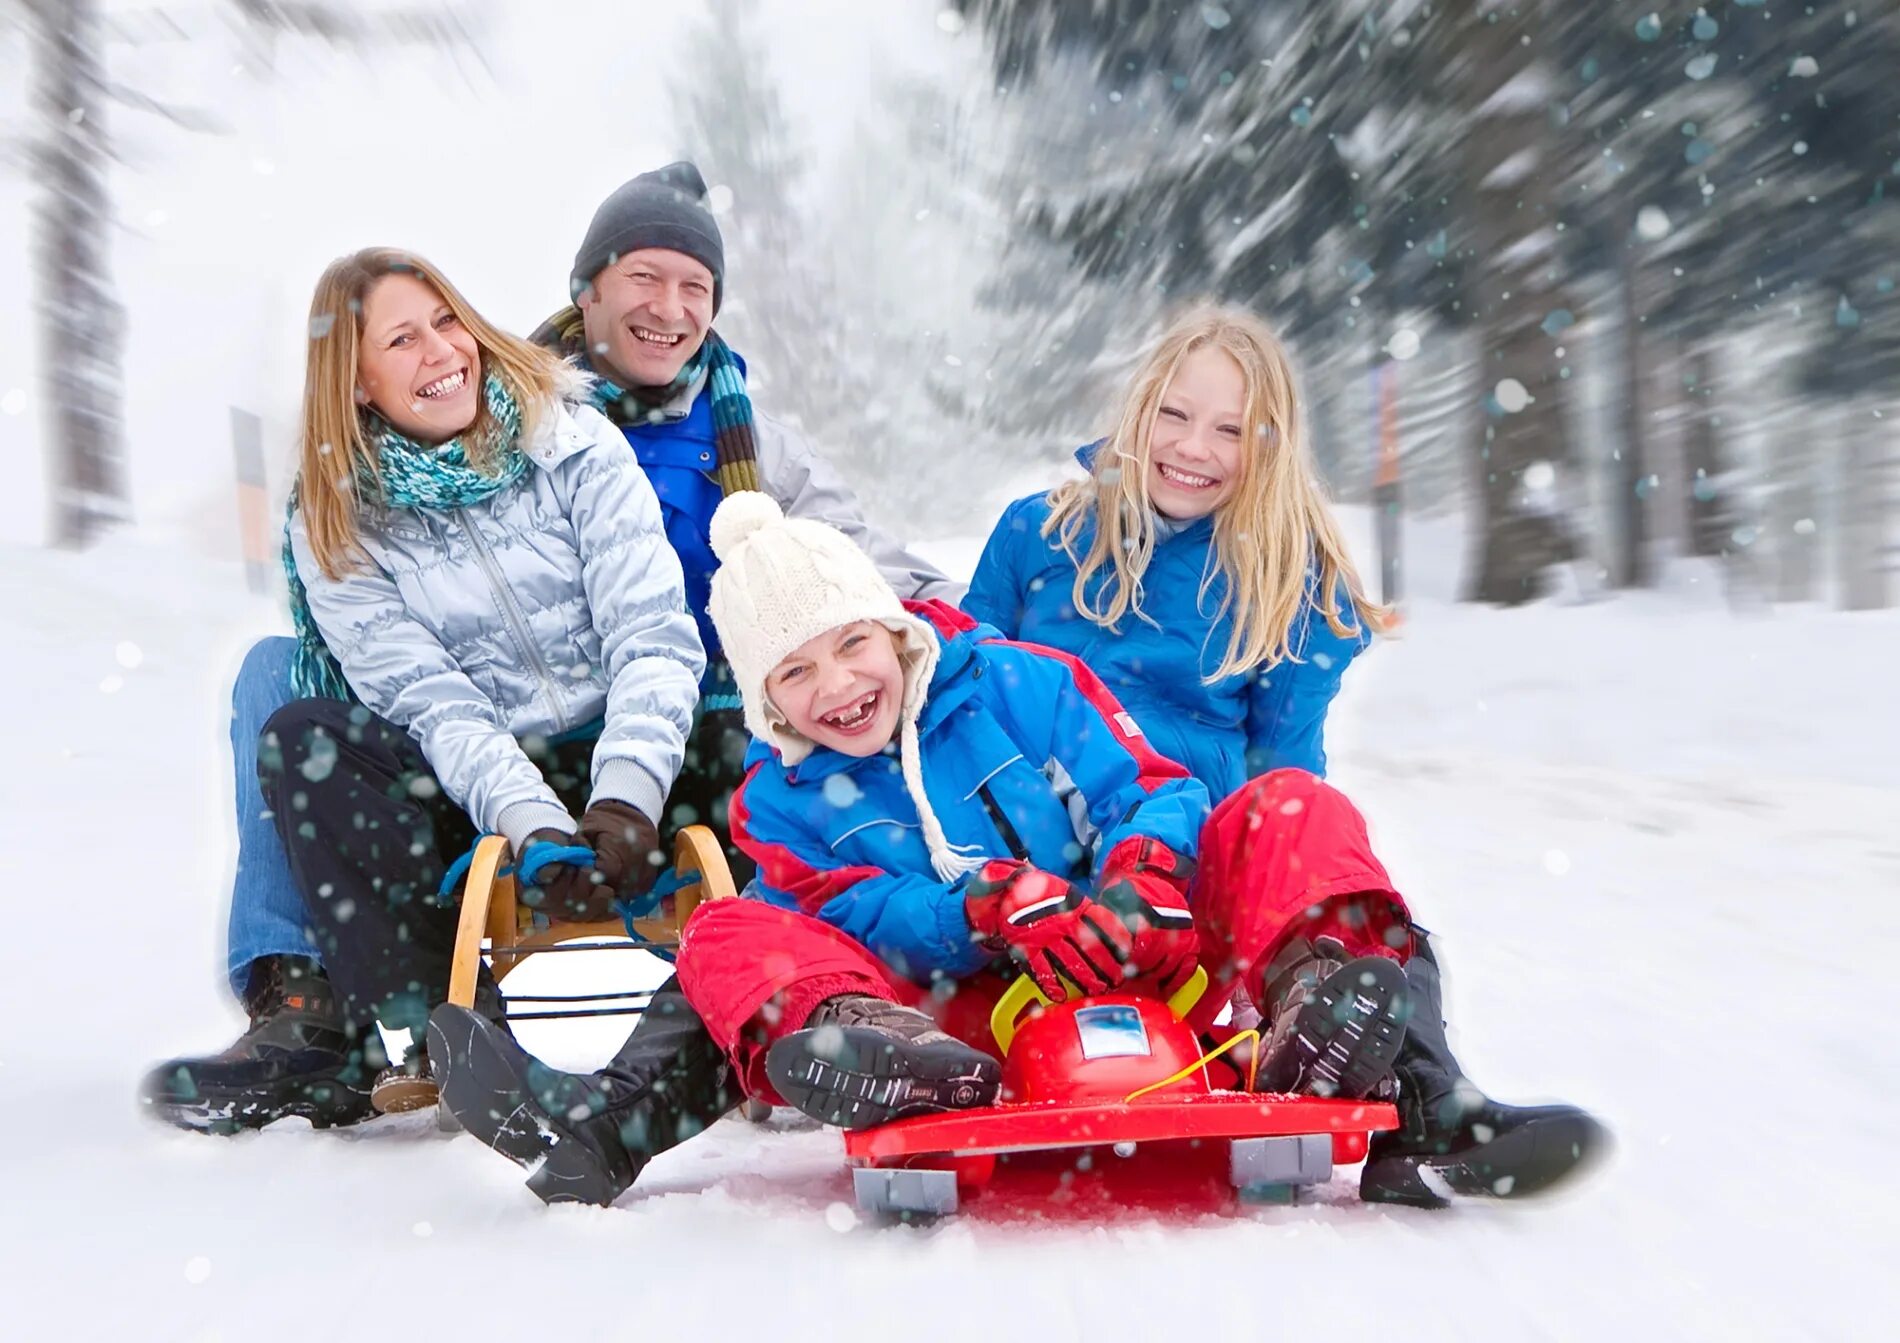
(917, 651)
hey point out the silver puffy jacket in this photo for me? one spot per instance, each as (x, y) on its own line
(552, 604)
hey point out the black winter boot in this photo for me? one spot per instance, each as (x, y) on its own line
(1336, 1024)
(584, 1138)
(295, 1060)
(1452, 1138)
(861, 1061)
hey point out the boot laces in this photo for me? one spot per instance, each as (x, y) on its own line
(860, 1009)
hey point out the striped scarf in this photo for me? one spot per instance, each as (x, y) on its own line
(735, 445)
(408, 475)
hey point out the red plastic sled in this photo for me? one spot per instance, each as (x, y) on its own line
(1108, 1105)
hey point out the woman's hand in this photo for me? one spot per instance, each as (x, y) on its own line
(559, 876)
(626, 845)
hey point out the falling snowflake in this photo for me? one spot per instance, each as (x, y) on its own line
(1511, 396)
(841, 791)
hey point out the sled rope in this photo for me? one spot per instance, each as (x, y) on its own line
(1253, 1066)
(669, 882)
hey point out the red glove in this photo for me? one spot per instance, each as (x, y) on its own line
(1144, 884)
(1049, 927)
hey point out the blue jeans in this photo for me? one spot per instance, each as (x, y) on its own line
(267, 915)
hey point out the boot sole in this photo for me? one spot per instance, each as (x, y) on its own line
(482, 1086)
(325, 1103)
(1531, 1159)
(1347, 1035)
(401, 1094)
(853, 1077)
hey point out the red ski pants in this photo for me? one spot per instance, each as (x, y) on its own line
(1286, 855)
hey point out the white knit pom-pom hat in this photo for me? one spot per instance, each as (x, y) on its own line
(782, 582)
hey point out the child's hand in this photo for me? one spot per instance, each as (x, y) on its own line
(1144, 883)
(1049, 926)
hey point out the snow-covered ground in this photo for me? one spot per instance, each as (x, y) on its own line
(1658, 843)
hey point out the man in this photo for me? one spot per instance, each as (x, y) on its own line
(647, 283)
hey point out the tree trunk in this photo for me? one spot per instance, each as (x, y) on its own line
(80, 319)
(1711, 515)
(1863, 516)
(1505, 91)
(1633, 563)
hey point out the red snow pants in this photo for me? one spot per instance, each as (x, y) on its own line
(1286, 855)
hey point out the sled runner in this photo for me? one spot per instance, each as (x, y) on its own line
(1109, 1105)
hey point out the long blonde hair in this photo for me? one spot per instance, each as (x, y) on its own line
(335, 448)
(1275, 524)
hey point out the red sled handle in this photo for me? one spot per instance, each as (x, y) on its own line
(1023, 994)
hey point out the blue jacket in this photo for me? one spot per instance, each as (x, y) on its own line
(1225, 733)
(678, 457)
(675, 447)
(1024, 756)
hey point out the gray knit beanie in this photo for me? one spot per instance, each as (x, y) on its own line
(663, 208)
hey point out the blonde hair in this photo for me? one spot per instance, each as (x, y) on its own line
(335, 450)
(1275, 524)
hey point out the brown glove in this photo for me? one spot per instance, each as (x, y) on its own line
(565, 892)
(626, 845)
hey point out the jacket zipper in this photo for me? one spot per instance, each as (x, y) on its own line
(1013, 840)
(517, 622)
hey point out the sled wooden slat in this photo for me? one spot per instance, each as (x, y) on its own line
(494, 923)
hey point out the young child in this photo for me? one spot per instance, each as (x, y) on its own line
(928, 798)
(1200, 571)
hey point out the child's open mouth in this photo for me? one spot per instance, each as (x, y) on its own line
(855, 716)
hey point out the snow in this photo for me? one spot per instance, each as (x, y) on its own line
(1655, 840)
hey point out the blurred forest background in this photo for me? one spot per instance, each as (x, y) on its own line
(1613, 282)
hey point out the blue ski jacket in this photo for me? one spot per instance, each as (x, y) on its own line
(1025, 755)
(1225, 732)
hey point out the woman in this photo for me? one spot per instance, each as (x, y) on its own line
(492, 636)
(1200, 573)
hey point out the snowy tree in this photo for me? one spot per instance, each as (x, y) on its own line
(779, 309)
(81, 323)
(76, 305)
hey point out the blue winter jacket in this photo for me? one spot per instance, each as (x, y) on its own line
(675, 448)
(1225, 733)
(1024, 755)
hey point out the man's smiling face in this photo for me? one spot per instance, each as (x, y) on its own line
(646, 314)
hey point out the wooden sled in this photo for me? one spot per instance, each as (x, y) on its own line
(496, 926)
(493, 922)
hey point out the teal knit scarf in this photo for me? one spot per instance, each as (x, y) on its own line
(734, 443)
(408, 475)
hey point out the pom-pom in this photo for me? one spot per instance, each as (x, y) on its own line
(739, 516)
